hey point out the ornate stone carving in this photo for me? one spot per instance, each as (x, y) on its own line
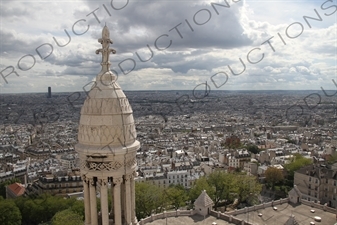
(113, 135)
(103, 182)
(105, 50)
(106, 106)
(83, 164)
(104, 166)
(117, 180)
(131, 162)
(85, 179)
(128, 178)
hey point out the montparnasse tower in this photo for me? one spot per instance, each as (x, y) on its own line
(107, 147)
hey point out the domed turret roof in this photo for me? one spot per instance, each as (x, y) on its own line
(106, 120)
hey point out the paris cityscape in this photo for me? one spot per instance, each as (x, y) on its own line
(185, 137)
(168, 112)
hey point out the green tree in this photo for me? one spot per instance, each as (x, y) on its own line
(54, 204)
(223, 185)
(247, 187)
(149, 199)
(67, 217)
(177, 196)
(198, 186)
(332, 158)
(43, 207)
(297, 162)
(230, 188)
(78, 207)
(9, 213)
(33, 211)
(253, 149)
(273, 176)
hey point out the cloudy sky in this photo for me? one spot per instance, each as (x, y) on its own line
(170, 44)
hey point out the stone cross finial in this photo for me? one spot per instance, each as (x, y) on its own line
(105, 50)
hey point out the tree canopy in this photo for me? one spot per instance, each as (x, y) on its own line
(176, 196)
(247, 187)
(221, 186)
(296, 163)
(253, 149)
(67, 217)
(9, 213)
(225, 187)
(149, 199)
(273, 176)
(200, 185)
(332, 158)
(42, 208)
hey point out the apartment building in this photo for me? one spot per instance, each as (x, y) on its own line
(57, 184)
(165, 179)
(179, 177)
(317, 183)
(68, 161)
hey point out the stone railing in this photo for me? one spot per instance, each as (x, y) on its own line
(318, 206)
(164, 215)
(219, 215)
(257, 207)
(229, 218)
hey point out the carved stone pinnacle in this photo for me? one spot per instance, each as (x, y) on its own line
(105, 50)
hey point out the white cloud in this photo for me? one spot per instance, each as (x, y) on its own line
(197, 51)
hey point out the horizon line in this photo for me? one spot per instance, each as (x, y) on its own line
(168, 90)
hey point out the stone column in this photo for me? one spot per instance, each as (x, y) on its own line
(117, 201)
(112, 197)
(104, 201)
(133, 199)
(93, 202)
(123, 199)
(86, 200)
(127, 211)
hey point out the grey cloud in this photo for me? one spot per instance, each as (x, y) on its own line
(180, 62)
(9, 11)
(157, 18)
(90, 72)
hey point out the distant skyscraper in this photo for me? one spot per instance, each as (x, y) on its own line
(107, 147)
(49, 92)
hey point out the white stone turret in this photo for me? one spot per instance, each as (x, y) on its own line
(107, 147)
(203, 204)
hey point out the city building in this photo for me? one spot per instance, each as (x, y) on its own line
(49, 92)
(61, 183)
(317, 183)
(68, 161)
(14, 190)
(250, 168)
